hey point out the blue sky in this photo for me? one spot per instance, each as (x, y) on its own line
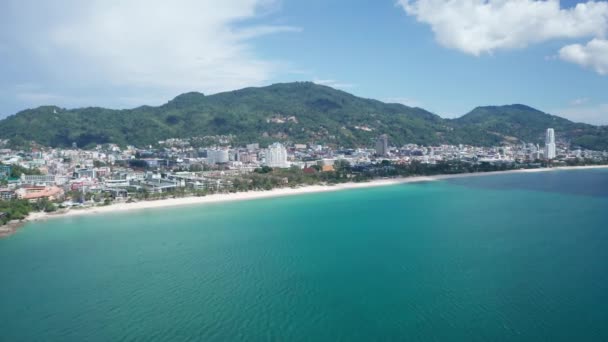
(447, 57)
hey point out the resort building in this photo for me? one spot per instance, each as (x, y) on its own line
(276, 156)
(34, 193)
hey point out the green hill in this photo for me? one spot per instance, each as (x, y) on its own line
(522, 123)
(298, 112)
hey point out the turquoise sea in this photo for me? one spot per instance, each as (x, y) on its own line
(517, 257)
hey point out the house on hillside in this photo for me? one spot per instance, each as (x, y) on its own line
(5, 171)
(7, 194)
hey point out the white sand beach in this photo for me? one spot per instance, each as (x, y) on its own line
(13, 226)
(240, 196)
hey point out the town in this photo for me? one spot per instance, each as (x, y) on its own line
(54, 178)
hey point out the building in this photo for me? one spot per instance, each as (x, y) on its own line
(85, 173)
(276, 156)
(550, 144)
(102, 171)
(217, 156)
(7, 194)
(382, 146)
(247, 157)
(38, 179)
(34, 193)
(154, 162)
(253, 147)
(5, 171)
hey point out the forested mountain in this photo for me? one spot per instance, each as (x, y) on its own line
(522, 123)
(298, 112)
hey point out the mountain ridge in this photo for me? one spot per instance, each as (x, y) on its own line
(300, 112)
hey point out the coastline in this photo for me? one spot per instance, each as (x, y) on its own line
(12, 227)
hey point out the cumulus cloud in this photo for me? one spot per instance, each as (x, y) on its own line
(593, 55)
(484, 26)
(151, 46)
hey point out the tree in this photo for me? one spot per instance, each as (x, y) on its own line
(138, 163)
(14, 210)
(321, 115)
(17, 171)
(342, 165)
(44, 204)
(263, 169)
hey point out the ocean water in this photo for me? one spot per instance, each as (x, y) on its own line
(518, 257)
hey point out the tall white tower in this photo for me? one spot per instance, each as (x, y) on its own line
(550, 144)
(276, 156)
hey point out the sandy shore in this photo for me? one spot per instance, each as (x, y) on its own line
(241, 196)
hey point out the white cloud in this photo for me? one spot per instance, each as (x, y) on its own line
(593, 114)
(149, 47)
(593, 55)
(484, 26)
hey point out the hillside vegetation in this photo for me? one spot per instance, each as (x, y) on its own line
(301, 112)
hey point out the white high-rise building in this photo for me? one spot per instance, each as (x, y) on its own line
(550, 144)
(276, 155)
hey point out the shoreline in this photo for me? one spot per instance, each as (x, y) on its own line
(12, 227)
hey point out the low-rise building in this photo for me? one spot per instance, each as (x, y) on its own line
(34, 193)
(7, 194)
(85, 173)
(42, 180)
(5, 171)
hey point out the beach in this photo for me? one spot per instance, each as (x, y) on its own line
(258, 194)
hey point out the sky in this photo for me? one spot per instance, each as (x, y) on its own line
(447, 56)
